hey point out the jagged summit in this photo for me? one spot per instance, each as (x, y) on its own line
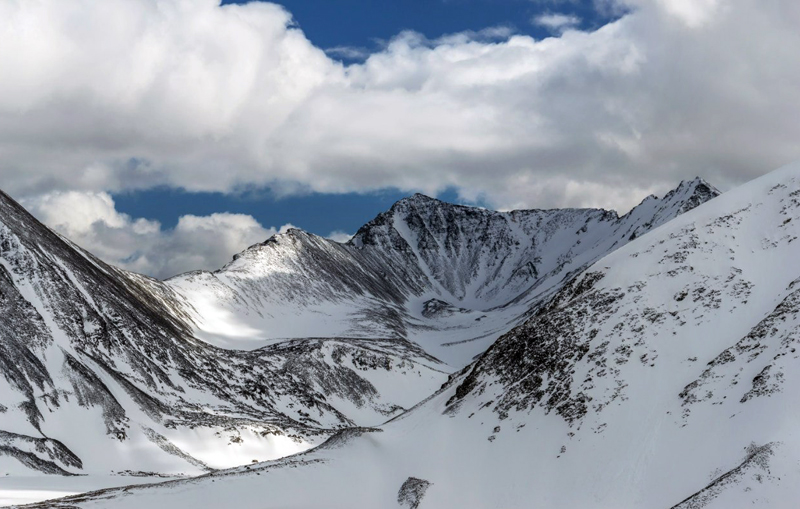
(421, 198)
(510, 247)
(696, 192)
(653, 211)
(288, 236)
(689, 193)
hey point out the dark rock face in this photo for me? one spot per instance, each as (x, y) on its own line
(768, 345)
(29, 451)
(493, 257)
(535, 361)
(412, 492)
(471, 253)
(573, 354)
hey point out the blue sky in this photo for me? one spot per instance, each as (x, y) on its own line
(363, 25)
(316, 213)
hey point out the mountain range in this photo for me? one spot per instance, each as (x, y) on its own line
(445, 356)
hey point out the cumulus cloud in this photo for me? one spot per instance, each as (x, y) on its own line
(127, 94)
(91, 220)
(694, 13)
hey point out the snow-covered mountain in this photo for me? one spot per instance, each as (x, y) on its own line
(106, 371)
(101, 372)
(664, 375)
(449, 278)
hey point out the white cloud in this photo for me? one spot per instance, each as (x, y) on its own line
(557, 22)
(127, 94)
(91, 220)
(339, 236)
(694, 13)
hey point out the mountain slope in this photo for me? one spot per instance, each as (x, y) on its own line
(101, 372)
(448, 277)
(665, 375)
(116, 355)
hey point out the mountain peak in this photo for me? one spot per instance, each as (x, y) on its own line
(698, 184)
(284, 238)
(418, 199)
(693, 193)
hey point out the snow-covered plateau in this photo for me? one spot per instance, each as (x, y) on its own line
(446, 356)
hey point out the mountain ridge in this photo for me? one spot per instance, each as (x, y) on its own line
(296, 338)
(643, 382)
(379, 282)
(89, 347)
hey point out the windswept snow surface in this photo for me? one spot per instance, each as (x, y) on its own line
(665, 375)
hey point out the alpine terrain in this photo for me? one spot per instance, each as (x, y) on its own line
(446, 356)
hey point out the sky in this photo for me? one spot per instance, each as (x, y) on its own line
(352, 29)
(167, 135)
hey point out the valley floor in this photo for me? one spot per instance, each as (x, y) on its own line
(18, 490)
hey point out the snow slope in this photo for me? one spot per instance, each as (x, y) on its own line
(449, 278)
(101, 373)
(110, 372)
(665, 375)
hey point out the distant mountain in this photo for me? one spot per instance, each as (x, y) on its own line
(663, 375)
(448, 277)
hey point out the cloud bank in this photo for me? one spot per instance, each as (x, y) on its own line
(196, 242)
(101, 97)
